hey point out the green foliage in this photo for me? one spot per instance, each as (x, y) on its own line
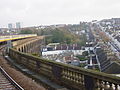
(83, 40)
(81, 58)
(82, 65)
(58, 35)
(35, 54)
(85, 53)
(26, 31)
(62, 36)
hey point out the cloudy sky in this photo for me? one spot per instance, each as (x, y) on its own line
(44, 12)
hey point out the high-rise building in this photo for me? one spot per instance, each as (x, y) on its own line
(10, 26)
(18, 25)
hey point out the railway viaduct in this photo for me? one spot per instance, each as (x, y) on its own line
(63, 75)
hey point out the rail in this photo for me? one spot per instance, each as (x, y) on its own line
(18, 87)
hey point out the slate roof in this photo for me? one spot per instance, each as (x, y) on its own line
(113, 68)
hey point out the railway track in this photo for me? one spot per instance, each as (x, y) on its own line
(6, 82)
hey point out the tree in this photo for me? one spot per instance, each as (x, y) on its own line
(61, 36)
(26, 31)
(82, 58)
(85, 53)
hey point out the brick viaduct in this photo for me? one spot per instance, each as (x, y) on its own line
(31, 45)
(72, 77)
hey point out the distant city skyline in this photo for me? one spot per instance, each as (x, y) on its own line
(48, 12)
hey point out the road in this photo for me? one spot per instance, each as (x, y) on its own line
(112, 43)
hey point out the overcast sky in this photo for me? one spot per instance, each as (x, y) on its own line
(42, 12)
